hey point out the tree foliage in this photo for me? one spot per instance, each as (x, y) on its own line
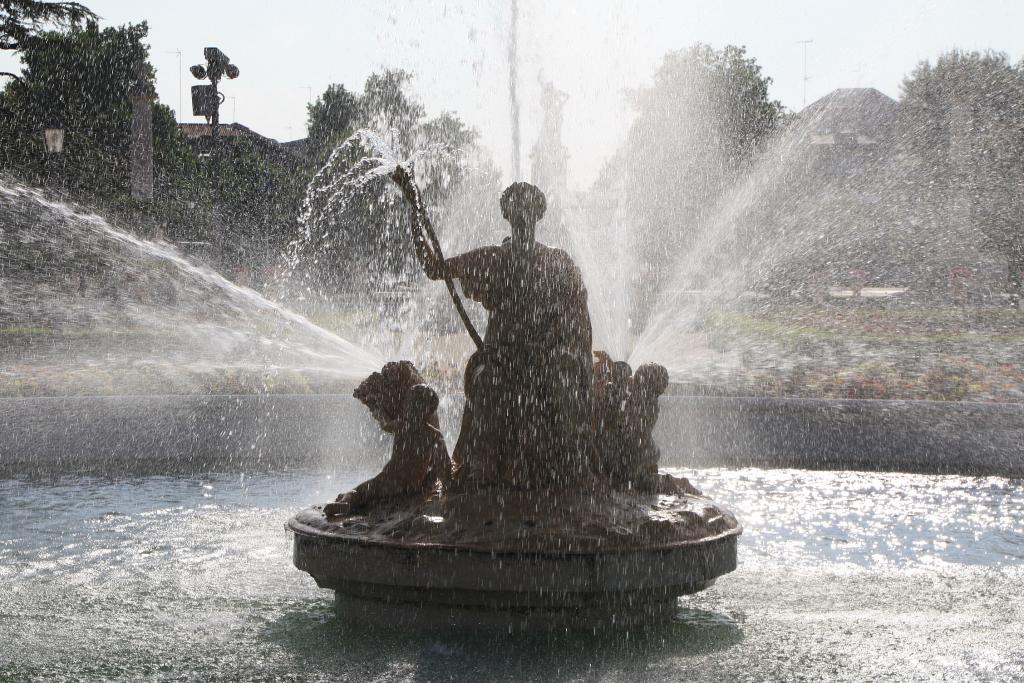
(79, 80)
(21, 21)
(262, 186)
(962, 117)
(82, 80)
(369, 242)
(331, 119)
(698, 125)
(723, 90)
(387, 107)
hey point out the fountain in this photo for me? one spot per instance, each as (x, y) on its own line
(551, 510)
(160, 422)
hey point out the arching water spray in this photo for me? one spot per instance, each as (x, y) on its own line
(719, 261)
(150, 306)
(354, 182)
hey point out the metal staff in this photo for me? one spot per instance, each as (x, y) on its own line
(403, 178)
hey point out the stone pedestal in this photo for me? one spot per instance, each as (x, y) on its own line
(609, 561)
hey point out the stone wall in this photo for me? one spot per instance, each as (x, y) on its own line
(128, 435)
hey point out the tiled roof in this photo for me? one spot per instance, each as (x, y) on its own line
(851, 110)
(194, 131)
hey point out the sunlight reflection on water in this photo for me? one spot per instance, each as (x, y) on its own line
(108, 579)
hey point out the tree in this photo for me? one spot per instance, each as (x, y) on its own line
(262, 187)
(697, 127)
(442, 173)
(962, 118)
(387, 108)
(80, 80)
(331, 119)
(723, 89)
(21, 21)
(446, 129)
(363, 240)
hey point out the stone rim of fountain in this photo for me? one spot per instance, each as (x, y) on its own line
(384, 581)
(300, 524)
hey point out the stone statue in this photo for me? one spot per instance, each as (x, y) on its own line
(419, 464)
(539, 413)
(611, 384)
(555, 471)
(525, 422)
(625, 414)
(640, 415)
(383, 393)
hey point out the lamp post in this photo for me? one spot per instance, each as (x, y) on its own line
(206, 99)
(53, 145)
(53, 139)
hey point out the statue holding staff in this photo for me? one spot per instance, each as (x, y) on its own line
(526, 420)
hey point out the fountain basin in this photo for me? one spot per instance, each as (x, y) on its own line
(143, 573)
(620, 561)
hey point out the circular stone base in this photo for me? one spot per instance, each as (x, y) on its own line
(617, 561)
(426, 616)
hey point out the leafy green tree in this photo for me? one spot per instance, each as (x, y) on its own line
(387, 108)
(723, 89)
(698, 125)
(81, 80)
(962, 119)
(331, 119)
(21, 21)
(368, 244)
(262, 187)
(446, 129)
(441, 174)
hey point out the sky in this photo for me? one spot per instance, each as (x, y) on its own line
(594, 50)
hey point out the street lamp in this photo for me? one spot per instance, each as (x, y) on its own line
(53, 139)
(206, 101)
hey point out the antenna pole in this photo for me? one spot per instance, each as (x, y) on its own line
(178, 52)
(805, 43)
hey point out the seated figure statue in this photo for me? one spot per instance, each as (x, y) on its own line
(527, 410)
(406, 408)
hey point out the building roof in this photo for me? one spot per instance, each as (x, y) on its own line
(199, 135)
(299, 147)
(865, 112)
(195, 131)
